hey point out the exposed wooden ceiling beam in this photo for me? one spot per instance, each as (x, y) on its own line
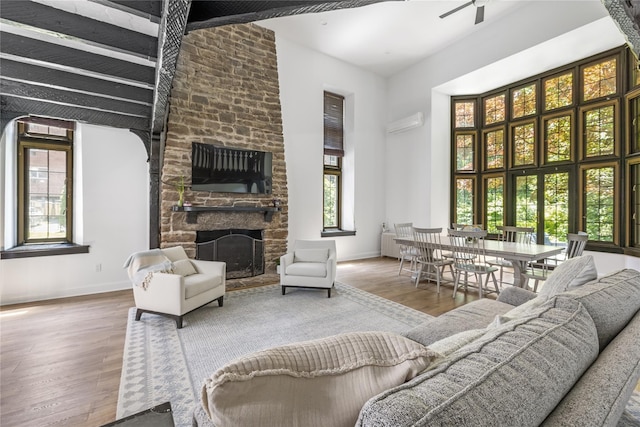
(17, 45)
(29, 72)
(58, 21)
(77, 99)
(9, 103)
(151, 7)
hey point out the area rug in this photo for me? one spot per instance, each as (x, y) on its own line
(165, 364)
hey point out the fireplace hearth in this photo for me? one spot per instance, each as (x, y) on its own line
(242, 250)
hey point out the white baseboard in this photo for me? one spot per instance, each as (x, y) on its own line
(67, 293)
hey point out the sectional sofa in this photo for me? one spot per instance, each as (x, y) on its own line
(568, 356)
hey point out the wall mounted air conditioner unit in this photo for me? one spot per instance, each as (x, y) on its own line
(411, 122)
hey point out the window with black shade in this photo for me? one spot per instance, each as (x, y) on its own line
(333, 154)
(45, 184)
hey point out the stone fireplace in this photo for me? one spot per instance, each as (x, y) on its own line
(225, 92)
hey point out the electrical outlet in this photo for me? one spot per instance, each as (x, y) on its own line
(98, 268)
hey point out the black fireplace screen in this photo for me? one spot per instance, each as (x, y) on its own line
(242, 250)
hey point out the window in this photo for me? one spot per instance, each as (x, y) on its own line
(526, 201)
(556, 207)
(494, 149)
(465, 190)
(599, 201)
(558, 91)
(558, 135)
(494, 109)
(599, 130)
(45, 182)
(551, 154)
(465, 114)
(494, 195)
(633, 170)
(523, 141)
(523, 101)
(633, 123)
(599, 79)
(333, 154)
(465, 151)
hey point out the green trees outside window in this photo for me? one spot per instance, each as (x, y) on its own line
(559, 152)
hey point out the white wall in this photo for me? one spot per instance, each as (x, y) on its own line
(304, 76)
(111, 214)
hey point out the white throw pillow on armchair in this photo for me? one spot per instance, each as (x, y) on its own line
(183, 267)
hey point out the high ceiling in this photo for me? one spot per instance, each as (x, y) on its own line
(111, 62)
(390, 36)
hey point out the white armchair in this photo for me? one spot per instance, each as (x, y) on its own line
(311, 264)
(168, 283)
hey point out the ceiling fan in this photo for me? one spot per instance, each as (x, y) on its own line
(479, 4)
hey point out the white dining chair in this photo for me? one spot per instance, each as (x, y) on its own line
(407, 252)
(430, 261)
(470, 258)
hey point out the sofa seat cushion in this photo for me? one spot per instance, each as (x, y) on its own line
(196, 284)
(309, 269)
(477, 314)
(513, 375)
(611, 301)
(322, 382)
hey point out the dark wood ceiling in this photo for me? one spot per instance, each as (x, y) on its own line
(61, 63)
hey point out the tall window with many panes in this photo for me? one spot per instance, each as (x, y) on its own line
(559, 152)
(333, 154)
(45, 181)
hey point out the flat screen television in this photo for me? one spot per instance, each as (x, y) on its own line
(230, 170)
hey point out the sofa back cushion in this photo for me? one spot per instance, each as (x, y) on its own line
(515, 374)
(611, 301)
(477, 314)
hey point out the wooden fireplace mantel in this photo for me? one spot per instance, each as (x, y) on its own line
(193, 211)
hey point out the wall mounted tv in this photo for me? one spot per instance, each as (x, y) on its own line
(230, 170)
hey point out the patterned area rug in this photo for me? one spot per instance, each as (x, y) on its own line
(162, 363)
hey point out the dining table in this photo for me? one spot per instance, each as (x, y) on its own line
(519, 254)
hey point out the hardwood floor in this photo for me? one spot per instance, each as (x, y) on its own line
(380, 277)
(60, 360)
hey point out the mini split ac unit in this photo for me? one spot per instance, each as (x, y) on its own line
(411, 122)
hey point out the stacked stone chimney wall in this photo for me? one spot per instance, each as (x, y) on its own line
(225, 92)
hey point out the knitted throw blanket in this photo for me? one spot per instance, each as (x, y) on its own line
(142, 265)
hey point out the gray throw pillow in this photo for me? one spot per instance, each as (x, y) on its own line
(571, 273)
